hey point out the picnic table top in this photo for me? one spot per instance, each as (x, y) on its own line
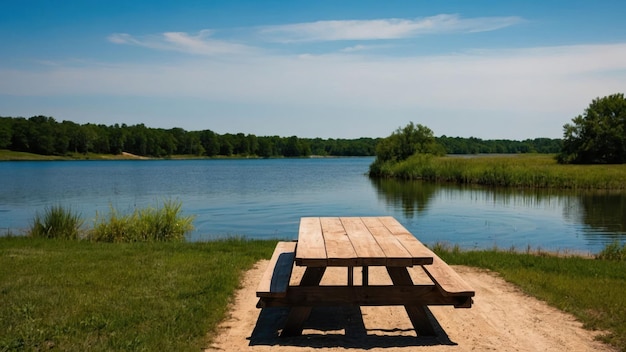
(358, 241)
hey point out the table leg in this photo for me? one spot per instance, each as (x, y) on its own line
(350, 276)
(417, 314)
(365, 275)
(298, 315)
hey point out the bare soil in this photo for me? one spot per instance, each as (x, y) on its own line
(501, 319)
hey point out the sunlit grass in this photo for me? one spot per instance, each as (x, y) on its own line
(86, 296)
(163, 223)
(57, 222)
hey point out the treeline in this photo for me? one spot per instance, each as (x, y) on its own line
(44, 135)
(472, 145)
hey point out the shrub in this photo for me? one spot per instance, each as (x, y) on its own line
(57, 222)
(613, 251)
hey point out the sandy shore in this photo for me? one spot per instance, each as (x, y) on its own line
(502, 319)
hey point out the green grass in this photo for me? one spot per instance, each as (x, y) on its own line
(593, 290)
(525, 170)
(9, 155)
(57, 222)
(163, 223)
(170, 296)
(86, 296)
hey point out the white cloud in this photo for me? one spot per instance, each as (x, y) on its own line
(512, 91)
(199, 44)
(393, 28)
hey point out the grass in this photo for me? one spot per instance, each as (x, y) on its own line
(164, 223)
(9, 155)
(57, 222)
(525, 170)
(170, 296)
(593, 290)
(81, 295)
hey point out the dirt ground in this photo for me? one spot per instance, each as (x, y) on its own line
(501, 319)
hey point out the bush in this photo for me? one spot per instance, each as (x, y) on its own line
(147, 225)
(57, 222)
(613, 251)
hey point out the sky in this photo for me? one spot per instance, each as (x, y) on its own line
(329, 69)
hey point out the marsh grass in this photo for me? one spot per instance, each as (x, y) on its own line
(613, 251)
(525, 170)
(591, 289)
(163, 223)
(86, 296)
(57, 222)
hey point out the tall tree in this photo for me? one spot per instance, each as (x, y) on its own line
(407, 141)
(599, 135)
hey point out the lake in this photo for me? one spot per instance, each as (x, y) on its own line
(265, 198)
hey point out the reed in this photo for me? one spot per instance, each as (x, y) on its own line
(57, 222)
(524, 171)
(613, 251)
(161, 224)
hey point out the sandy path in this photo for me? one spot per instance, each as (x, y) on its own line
(502, 319)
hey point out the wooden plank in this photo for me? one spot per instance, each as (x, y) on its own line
(311, 250)
(339, 249)
(314, 296)
(276, 277)
(420, 253)
(396, 253)
(448, 281)
(365, 246)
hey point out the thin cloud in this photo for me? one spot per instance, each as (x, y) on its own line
(201, 43)
(393, 28)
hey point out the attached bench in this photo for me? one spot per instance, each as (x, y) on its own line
(275, 280)
(449, 282)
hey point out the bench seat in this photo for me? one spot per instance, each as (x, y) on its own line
(449, 282)
(275, 280)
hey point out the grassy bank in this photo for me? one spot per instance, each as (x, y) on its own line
(524, 170)
(8, 155)
(592, 290)
(80, 295)
(85, 296)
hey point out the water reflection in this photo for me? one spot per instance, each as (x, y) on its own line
(410, 196)
(508, 216)
(604, 212)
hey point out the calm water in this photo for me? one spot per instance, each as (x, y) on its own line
(266, 198)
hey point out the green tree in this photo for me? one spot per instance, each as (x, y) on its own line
(599, 135)
(407, 141)
(402, 144)
(6, 124)
(210, 142)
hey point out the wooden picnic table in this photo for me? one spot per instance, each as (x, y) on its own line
(358, 242)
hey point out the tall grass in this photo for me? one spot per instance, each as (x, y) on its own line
(527, 170)
(57, 222)
(160, 224)
(613, 251)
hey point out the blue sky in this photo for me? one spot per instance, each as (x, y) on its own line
(330, 69)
